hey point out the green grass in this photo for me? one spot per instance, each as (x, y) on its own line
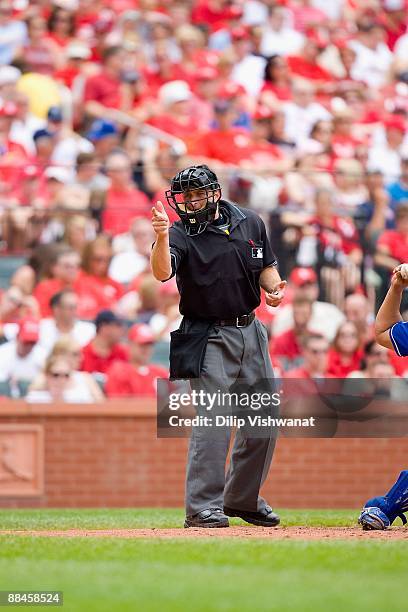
(108, 575)
(128, 518)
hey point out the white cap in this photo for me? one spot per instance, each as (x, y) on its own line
(174, 91)
(9, 75)
(62, 175)
(77, 49)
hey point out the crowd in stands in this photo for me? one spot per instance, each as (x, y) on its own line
(300, 107)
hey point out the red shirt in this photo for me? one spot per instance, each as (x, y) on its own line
(282, 93)
(298, 65)
(285, 345)
(176, 127)
(338, 369)
(121, 207)
(340, 237)
(104, 89)
(93, 362)
(396, 243)
(44, 291)
(127, 380)
(228, 146)
(95, 294)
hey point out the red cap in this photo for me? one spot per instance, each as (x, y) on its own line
(141, 333)
(239, 33)
(7, 108)
(262, 112)
(301, 276)
(230, 89)
(29, 330)
(395, 121)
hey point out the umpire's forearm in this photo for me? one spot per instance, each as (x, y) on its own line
(389, 312)
(160, 258)
(269, 278)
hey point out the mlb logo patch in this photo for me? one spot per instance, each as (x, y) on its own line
(257, 253)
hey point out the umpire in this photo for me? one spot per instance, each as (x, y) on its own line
(221, 256)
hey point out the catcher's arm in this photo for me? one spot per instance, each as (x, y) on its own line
(389, 313)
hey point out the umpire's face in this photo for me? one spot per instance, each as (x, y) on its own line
(196, 199)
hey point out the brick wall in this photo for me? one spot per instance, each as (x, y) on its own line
(109, 456)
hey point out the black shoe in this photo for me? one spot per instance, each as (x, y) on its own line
(264, 518)
(213, 517)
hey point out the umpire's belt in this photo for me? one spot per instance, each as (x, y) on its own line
(242, 321)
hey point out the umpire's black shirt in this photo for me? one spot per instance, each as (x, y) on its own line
(218, 273)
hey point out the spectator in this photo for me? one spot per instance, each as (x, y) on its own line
(277, 80)
(106, 92)
(139, 376)
(287, 346)
(133, 256)
(88, 169)
(95, 288)
(335, 249)
(22, 358)
(373, 58)
(373, 354)
(61, 26)
(123, 200)
(387, 157)
(278, 37)
(78, 230)
(64, 269)
(303, 112)
(82, 387)
(357, 310)
(13, 33)
(64, 321)
(40, 54)
(315, 353)
(104, 136)
(326, 317)
(59, 384)
(176, 115)
(350, 190)
(168, 317)
(392, 246)
(398, 190)
(345, 355)
(105, 348)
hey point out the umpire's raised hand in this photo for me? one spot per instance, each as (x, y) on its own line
(160, 219)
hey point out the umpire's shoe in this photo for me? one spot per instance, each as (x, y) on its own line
(263, 518)
(213, 517)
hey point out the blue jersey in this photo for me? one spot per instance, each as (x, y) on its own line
(399, 338)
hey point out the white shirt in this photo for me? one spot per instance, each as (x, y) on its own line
(283, 42)
(387, 160)
(20, 368)
(299, 120)
(326, 318)
(371, 65)
(82, 332)
(126, 266)
(77, 393)
(249, 73)
(401, 47)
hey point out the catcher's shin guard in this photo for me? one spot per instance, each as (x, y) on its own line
(381, 512)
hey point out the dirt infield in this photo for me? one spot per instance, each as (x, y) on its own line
(276, 533)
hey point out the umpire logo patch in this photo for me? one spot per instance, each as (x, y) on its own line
(257, 253)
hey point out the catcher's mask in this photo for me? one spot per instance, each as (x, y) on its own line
(194, 195)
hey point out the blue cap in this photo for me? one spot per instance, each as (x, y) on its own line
(55, 114)
(43, 133)
(101, 128)
(107, 317)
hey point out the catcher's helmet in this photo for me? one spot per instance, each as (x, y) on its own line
(194, 178)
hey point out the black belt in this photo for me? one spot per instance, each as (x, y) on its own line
(242, 321)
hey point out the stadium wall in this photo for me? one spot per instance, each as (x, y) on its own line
(108, 455)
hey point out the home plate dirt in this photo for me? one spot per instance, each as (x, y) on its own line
(275, 533)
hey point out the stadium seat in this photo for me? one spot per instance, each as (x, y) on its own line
(8, 266)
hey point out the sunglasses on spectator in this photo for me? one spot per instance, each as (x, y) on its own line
(317, 351)
(65, 375)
